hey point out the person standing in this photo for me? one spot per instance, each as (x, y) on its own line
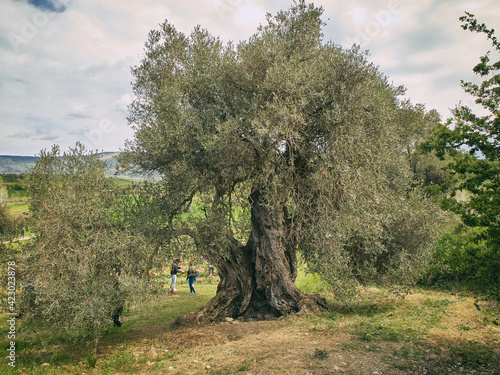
(174, 270)
(192, 274)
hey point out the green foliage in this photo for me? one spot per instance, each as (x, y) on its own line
(312, 283)
(14, 178)
(463, 259)
(307, 127)
(91, 360)
(15, 184)
(388, 243)
(4, 212)
(84, 262)
(115, 352)
(471, 142)
(5, 221)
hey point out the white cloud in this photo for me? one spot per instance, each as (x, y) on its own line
(250, 15)
(65, 76)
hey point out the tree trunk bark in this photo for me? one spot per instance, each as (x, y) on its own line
(275, 251)
(257, 279)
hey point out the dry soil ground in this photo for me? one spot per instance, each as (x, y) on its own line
(426, 333)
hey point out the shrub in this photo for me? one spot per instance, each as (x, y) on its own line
(463, 257)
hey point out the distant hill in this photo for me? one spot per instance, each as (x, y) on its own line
(16, 164)
(20, 164)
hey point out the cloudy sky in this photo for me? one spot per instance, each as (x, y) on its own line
(65, 64)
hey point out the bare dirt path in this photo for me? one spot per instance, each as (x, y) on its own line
(18, 239)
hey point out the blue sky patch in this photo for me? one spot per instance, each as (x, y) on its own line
(48, 5)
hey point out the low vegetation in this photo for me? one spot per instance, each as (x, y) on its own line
(423, 332)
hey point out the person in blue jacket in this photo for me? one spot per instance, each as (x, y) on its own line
(192, 274)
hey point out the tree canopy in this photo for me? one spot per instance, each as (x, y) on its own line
(310, 137)
(472, 143)
(4, 212)
(86, 259)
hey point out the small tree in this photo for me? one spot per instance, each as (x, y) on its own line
(5, 217)
(473, 144)
(84, 261)
(3, 192)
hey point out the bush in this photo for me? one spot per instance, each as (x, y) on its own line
(84, 262)
(463, 257)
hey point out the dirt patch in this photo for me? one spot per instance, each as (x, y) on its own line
(293, 346)
(422, 334)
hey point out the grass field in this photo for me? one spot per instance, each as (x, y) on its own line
(18, 200)
(17, 194)
(425, 332)
(123, 182)
(18, 207)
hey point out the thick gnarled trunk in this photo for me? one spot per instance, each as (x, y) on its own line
(257, 279)
(275, 268)
(236, 285)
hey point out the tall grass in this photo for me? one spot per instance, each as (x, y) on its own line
(309, 282)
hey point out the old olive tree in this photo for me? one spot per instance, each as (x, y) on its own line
(309, 138)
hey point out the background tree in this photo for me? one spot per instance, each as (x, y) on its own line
(418, 126)
(472, 142)
(303, 134)
(84, 262)
(5, 217)
(3, 192)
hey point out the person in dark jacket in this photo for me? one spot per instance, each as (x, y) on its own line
(174, 270)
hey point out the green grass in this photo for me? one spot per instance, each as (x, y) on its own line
(60, 351)
(17, 194)
(16, 245)
(167, 308)
(18, 207)
(311, 283)
(123, 182)
(414, 325)
(386, 319)
(320, 354)
(406, 332)
(474, 354)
